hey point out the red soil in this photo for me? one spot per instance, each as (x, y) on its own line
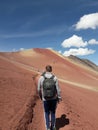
(20, 108)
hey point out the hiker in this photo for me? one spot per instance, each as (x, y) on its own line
(49, 93)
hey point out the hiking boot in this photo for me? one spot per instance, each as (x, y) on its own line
(54, 128)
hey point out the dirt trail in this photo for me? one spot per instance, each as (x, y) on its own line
(75, 112)
(38, 122)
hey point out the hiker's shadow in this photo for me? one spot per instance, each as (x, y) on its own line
(61, 122)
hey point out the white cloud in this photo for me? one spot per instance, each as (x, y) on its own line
(88, 21)
(60, 51)
(74, 41)
(79, 52)
(21, 49)
(93, 41)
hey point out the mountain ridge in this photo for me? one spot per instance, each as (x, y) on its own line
(85, 62)
(30, 52)
(20, 107)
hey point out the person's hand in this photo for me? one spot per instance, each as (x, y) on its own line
(59, 99)
(40, 95)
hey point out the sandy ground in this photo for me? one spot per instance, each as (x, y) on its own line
(20, 107)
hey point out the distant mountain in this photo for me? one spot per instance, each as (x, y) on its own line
(19, 71)
(84, 62)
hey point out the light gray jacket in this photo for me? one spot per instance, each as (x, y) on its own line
(40, 85)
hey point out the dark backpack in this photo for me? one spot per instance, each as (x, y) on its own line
(49, 87)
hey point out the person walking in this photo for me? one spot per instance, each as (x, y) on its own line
(49, 92)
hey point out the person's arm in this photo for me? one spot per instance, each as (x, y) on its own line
(58, 90)
(39, 88)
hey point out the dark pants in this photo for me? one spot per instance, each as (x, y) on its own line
(50, 109)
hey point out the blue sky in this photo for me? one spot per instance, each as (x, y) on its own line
(67, 26)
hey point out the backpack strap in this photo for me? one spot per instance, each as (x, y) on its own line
(43, 74)
(52, 77)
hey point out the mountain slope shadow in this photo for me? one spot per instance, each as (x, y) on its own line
(61, 122)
